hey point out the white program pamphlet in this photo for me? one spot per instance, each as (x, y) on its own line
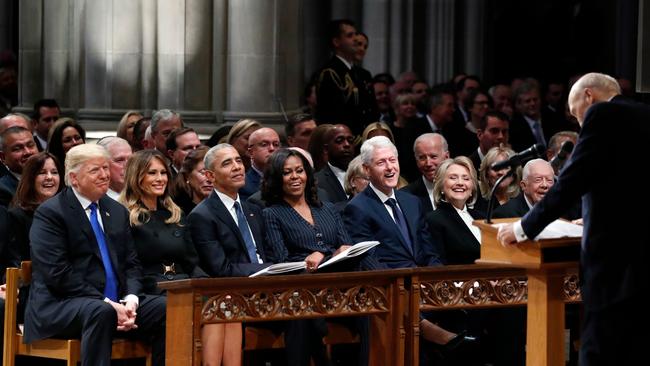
(281, 268)
(353, 251)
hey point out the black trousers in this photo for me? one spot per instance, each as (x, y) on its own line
(96, 324)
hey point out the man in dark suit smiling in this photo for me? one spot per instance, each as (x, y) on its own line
(87, 277)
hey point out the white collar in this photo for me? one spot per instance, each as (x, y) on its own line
(530, 205)
(85, 202)
(227, 200)
(382, 196)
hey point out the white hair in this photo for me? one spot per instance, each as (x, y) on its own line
(431, 136)
(369, 146)
(78, 155)
(598, 81)
(526, 171)
(208, 159)
(163, 115)
(108, 142)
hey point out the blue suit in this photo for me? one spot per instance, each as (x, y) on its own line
(253, 183)
(366, 218)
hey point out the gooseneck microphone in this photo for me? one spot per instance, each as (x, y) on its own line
(558, 160)
(515, 161)
(518, 159)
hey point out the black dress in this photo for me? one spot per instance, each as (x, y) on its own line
(166, 251)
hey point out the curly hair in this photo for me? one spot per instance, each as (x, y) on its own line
(272, 185)
(131, 197)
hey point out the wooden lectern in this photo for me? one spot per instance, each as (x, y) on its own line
(547, 262)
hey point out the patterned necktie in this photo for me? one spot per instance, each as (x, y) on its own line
(246, 233)
(110, 291)
(400, 220)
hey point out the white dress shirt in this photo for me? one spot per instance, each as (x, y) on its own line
(468, 219)
(230, 206)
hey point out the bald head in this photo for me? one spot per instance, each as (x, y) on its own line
(261, 144)
(15, 119)
(590, 89)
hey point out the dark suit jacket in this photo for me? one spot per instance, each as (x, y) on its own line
(8, 186)
(4, 235)
(418, 189)
(218, 241)
(459, 245)
(521, 136)
(615, 243)
(344, 97)
(3, 170)
(476, 160)
(253, 182)
(20, 222)
(515, 207)
(366, 218)
(67, 263)
(327, 181)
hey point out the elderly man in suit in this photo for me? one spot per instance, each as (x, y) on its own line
(86, 278)
(430, 150)
(536, 179)
(227, 231)
(615, 243)
(396, 219)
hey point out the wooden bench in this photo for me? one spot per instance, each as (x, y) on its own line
(60, 349)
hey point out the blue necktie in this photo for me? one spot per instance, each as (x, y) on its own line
(539, 133)
(400, 220)
(246, 233)
(110, 291)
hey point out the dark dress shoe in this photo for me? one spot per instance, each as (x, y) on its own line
(460, 343)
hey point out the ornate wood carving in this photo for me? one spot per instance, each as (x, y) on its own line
(294, 302)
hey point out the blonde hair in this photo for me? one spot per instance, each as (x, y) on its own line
(439, 181)
(355, 169)
(78, 155)
(374, 126)
(122, 127)
(240, 127)
(484, 183)
(131, 197)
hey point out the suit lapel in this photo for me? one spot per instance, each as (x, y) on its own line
(78, 214)
(453, 214)
(255, 229)
(108, 224)
(334, 183)
(223, 215)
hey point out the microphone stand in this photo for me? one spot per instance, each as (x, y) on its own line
(488, 217)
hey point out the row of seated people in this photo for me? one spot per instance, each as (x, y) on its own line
(152, 218)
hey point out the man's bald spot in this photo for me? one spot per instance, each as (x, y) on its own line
(603, 85)
(14, 119)
(259, 134)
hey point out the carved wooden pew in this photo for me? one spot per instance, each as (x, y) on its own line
(378, 294)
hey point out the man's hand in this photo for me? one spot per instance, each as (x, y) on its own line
(341, 248)
(313, 260)
(125, 317)
(506, 235)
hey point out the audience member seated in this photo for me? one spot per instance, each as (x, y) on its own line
(140, 141)
(179, 143)
(239, 135)
(84, 262)
(356, 179)
(405, 116)
(317, 146)
(450, 224)
(120, 151)
(536, 179)
(261, 144)
(502, 96)
(508, 189)
(64, 135)
(298, 130)
(41, 179)
(16, 146)
(492, 132)
(4, 233)
(127, 124)
(227, 232)
(382, 98)
(554, 146)
(300, 227)
(46, 112)
(396, 219)
(382, 129)
(191, 185)
(339, 147)
(163, 122)
(12, 120)
(430, 149)
(478, 103)
(164, 244)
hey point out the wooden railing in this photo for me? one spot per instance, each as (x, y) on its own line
(393, 300)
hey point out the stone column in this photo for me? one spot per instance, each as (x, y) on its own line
(473, 36)
(264, 60)
(439, 46)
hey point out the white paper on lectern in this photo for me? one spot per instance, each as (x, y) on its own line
(281, 268)
(560, 229)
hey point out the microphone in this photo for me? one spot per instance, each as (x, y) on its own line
(519, 158)
(558, 160)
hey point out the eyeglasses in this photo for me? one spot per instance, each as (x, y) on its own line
(266, 144)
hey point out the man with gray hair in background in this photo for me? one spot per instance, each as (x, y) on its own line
(615, 244)
(163, 122)
(120, 152)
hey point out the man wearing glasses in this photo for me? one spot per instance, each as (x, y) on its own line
(261, 144)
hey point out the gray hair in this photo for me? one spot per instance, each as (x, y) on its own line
(526, 171)
(78, 155)
(208, 159)
(370, 145)
(6, 120)
(10, 131)
(355, 169)
(109, 141)
(163, 115)
(431, 135)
